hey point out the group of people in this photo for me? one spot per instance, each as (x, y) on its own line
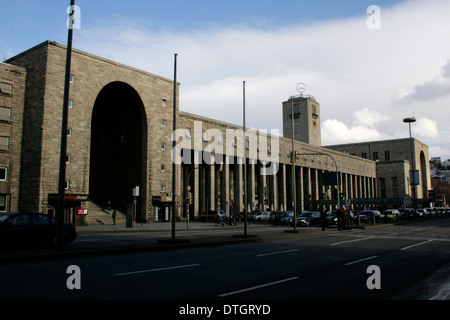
(342, 215)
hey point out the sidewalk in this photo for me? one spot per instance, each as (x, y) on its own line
(97, 240)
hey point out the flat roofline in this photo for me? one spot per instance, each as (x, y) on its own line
(55, 44)
(371, 142)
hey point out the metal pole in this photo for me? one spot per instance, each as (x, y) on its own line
(413, 166)
(63, 152)
(412, 175)
(293, 168)
(245, 165)
(337, 171)
(174, 145)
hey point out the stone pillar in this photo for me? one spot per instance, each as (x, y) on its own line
(262, 185)
(299, 188)
(251, 197)
(307, 187)
(238, 188)
(225, 186)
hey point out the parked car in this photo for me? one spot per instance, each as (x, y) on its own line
(263, 216)
(274, 216)
(307, 218)
(391, 215)
(32, 228)
(280, 217)
(366, 216)
(407, 213)
(331, 218)
(422, 213)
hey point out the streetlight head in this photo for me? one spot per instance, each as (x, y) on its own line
(409, 120)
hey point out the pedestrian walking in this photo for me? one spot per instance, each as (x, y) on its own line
(323, 218)
(114, 215)
(340, 218)
(346, 218)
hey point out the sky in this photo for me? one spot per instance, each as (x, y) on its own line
(369, 69)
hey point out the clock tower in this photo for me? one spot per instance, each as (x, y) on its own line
(306, 119)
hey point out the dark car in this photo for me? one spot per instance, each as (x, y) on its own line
(331, 217)
(307, 218)
(407, 213)
(32, 228)
(280, 217)
(366, 216)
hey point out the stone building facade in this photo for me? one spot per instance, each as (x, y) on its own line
(120, 137)
(393, 159)
(12, 92)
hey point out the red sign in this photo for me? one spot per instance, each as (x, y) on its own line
(82, 211)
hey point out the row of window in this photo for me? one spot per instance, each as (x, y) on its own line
(375, 156)
(5, 116)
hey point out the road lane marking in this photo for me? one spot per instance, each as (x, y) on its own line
(415, 245)
(159, 269)
(342, 242)
(256, 287)
(277, 252)
(361, 260)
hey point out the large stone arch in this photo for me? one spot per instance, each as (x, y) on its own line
(118, 154)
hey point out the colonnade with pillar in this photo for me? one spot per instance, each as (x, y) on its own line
(220, 186)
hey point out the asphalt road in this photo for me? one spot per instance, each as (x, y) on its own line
(413, 262)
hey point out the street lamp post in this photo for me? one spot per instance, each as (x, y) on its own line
(245, 162)
(63, 152)
(294, 156)
(174, 116)
(412, 175)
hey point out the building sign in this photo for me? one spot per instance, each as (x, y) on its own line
(82, 211)
(69, 197)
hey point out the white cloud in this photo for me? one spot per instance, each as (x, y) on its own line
(368, 118)
(363, 129)
(366, 81)
(426, 128)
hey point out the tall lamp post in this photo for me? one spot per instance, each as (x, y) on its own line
(412, 172)
(63, 152)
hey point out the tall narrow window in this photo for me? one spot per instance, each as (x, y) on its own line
(3, 203)
(394, 187)
(375, 156)
(3, 174)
